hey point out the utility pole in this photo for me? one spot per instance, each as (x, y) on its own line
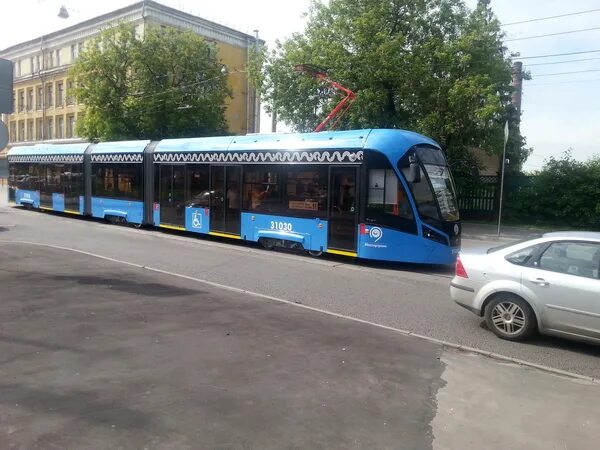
(274, 121)
(517, 82)
(256, 93)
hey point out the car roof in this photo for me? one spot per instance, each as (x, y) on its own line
(587, 235)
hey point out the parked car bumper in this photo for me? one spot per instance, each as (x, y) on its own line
(464, 296)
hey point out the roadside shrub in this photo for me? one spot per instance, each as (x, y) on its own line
(564, 193)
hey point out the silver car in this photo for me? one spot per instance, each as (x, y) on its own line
(549, 285)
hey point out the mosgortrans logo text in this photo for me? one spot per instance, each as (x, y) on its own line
(374, 235)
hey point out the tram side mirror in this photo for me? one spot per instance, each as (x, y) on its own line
(414, 173)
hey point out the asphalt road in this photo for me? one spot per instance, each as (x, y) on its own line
(100, 355)
(411, 298)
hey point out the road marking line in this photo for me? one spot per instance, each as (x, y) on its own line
(324, 311)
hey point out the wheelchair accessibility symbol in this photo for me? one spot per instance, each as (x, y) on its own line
(196, 219)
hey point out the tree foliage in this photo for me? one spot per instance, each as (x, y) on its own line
(431, 66)
(169, 83)
(566, 192)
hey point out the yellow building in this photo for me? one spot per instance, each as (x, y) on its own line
(45, 110)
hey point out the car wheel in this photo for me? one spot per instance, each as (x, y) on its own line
(510, 317)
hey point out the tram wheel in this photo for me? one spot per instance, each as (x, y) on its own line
(315, 253)
(266, 243)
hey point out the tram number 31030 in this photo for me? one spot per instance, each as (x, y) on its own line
(281, 226)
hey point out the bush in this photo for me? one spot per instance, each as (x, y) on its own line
(564, 193)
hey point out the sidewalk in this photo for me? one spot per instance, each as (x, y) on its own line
(489, 232)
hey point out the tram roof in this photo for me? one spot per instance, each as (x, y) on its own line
(120, 147)
(393, 143)
(387, 141)
(49, 149)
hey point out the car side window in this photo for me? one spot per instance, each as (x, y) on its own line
(522, 257)
(574, 258)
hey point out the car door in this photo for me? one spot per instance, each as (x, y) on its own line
(564, 282)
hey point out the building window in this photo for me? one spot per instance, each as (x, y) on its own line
(79, 48)
(57, 57)
(39, 129)
(38, 65)
(21, 130)
(14, 101)
(30, 136)
(13, 132)
(29, 99)
(73, 53)
(31, 66)
(49, 59)
(60, 88)
(39, 97)
(49, 128)
(60, 126)
(69, 98)
(70, 126)
(21, 100)
(49, 95)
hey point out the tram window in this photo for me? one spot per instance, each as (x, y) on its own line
(77, 179)
(306, 191)
(128, 181)
(104, 184)
(22, 176)
(54, 178)
(386, 195)
(198, 188)
(121, 181)
(34, 176)
(261, 190)
(387, 202)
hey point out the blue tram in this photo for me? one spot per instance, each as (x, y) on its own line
(374, 194)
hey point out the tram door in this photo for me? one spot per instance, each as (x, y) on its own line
(343, 209)
(225, 199)
(172, 194)
(72, 182)
(46, 183)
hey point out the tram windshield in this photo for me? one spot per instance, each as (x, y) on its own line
(435, 199)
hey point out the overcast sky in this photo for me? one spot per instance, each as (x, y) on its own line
(559, 111)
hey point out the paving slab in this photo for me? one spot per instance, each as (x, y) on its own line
(485, 403)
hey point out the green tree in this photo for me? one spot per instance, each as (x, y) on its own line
(169, 83)
(431, 66)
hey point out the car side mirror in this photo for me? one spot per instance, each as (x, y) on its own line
(414, 173)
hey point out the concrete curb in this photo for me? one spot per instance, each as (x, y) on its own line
(443, 343)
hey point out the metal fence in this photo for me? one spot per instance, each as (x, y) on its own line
(477, 199)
